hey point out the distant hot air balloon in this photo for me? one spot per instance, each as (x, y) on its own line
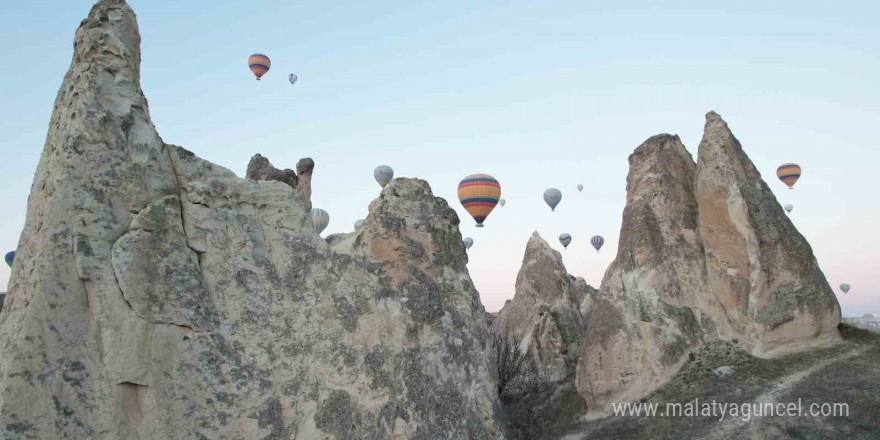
(9, 257)
(845, 287)
(292, 77)
(565, 239)
(789, 173)
(468, 242)
(789, 207)
(320, 219)
(479, 193)
(580, 187)
(259, 64)
(383, 174)
(358, 224)
(597, 242)
(552, 196)
(502, 202)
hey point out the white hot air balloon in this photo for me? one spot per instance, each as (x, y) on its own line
(383, 174)
(580, 187)
(789, 207)
(292, 78)
(358, 224)
(320, 219)
(845, 287)
(468, 242)
(565, 239)
(502, 202)
(552, 197)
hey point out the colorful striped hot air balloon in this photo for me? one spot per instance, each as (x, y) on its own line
(597, 242)
(789, 173)
(259, 64)
(479, 193)
(320, 219)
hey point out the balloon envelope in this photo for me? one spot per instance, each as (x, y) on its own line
(383, 174)
(358, 224)
(259, 64)
(292, 77)
(552, 196)
(789, 207)
(502, 202)
(580, 188)
(468, 242)
(9, 257)
(479, 193)
(845, 287)
(789, 173)
(565, 239)
(320, 219)
(597, 242)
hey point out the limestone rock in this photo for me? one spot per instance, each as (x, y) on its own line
(304, 170)
(3, 298)
(760, 267)
(159, 296)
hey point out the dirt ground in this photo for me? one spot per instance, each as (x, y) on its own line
(846, 373)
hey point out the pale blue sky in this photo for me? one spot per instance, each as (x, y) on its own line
(538, 94)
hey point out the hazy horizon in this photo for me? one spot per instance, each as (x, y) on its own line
(537, 95)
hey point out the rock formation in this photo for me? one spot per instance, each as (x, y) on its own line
(261, 170)
(545, 311)
(706, 252)
(159, 296)
(760, 267)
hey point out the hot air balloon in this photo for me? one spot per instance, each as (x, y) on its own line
(565, 239)
(552, 196)
(580, 187)
(259, 64)
(292, 77)
(789, 173)
(597, 242)
(479, 193)
(383, 174)
(358, 224)
(9, 257)
(502, 202)
(468, 242)
(845, 287)
(789, 207)
(320, 219)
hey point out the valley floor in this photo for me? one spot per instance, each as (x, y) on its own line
(846, 373)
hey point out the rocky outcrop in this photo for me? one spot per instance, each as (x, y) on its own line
(544, 312)
(261, 170)
(3, 298)
(651, 310)
(759, 266)
(705, 253)
(159, 296)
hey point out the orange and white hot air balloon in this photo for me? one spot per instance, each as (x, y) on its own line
(479, 193)
(789, 173)
(259, 64)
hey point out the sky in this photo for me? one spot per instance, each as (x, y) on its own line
(538, 94)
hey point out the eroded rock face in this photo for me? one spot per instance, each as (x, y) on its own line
(647, 316)
(260, 169)
(545, 310)
(162, 297)
(760, 267)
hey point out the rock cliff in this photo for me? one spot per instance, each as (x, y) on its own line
(159, 296)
